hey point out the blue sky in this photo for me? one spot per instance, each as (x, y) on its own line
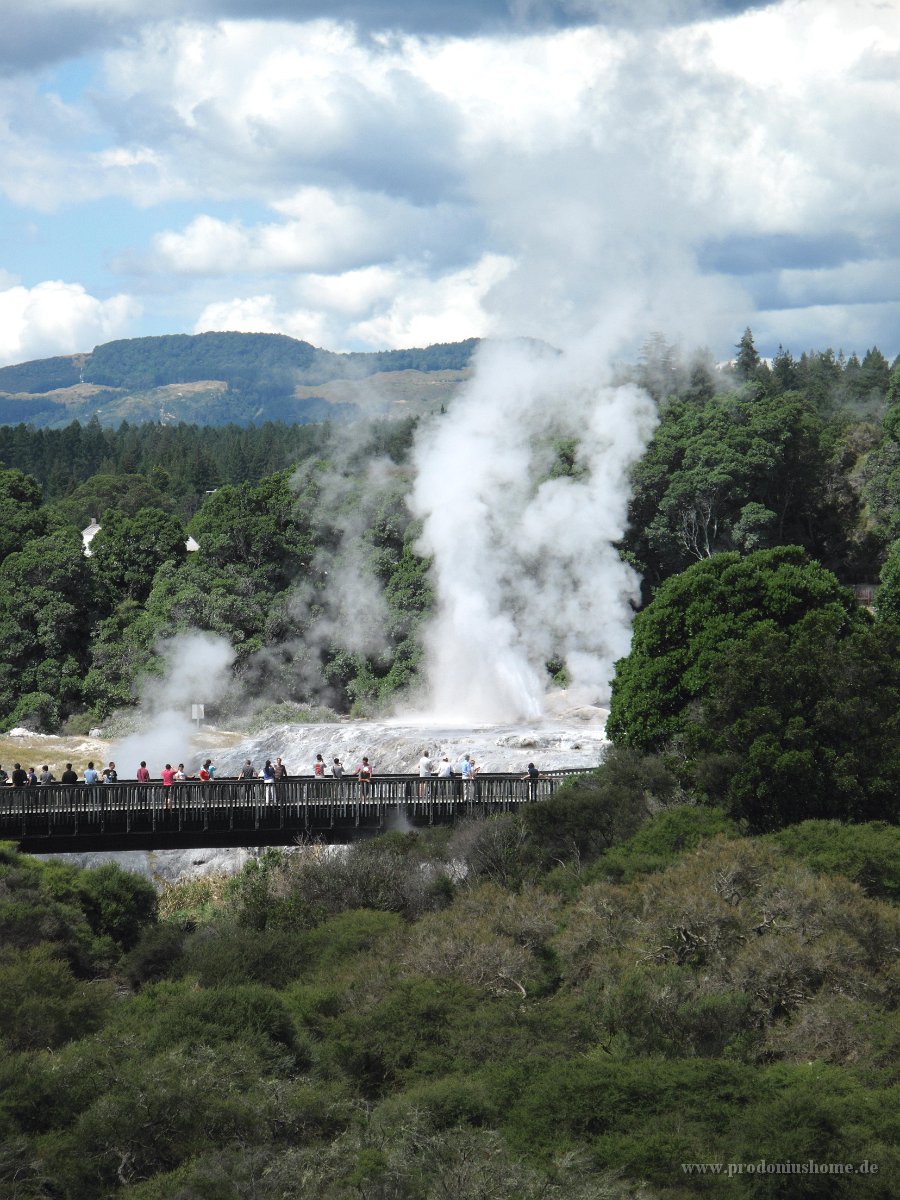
(387, 174)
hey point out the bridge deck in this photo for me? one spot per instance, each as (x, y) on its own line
(147, 816)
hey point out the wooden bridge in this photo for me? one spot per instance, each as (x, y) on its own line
(128, 815)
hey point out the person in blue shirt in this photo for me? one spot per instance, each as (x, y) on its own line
(90, 775)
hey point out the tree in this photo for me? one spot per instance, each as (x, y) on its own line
(887, 598)
(102, 494)
(128, 551)
(741, 471)
(21, 517)
(802, 722)
(747, 362)
(46, 610)
(693, 624)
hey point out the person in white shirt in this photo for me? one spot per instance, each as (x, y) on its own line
(426, 770)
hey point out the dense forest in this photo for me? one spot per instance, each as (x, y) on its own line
(677, 977)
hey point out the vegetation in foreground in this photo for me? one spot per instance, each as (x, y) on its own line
(480, 1010)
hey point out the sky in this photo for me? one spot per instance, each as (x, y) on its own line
(378, 175)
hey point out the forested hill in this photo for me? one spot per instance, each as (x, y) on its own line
(216, 378)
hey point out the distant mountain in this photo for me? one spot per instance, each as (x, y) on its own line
(217, 378)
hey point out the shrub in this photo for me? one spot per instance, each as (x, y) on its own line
(117, 903)
(157, 951)
(227, 953)
(659, 843)
(590, 813)
(868, 854)
(44, 1005)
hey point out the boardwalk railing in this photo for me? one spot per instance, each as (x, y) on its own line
(131, 815)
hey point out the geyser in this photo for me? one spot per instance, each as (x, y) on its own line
(524, 557)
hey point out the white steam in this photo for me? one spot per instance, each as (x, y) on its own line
(524, 564)
(196, 672)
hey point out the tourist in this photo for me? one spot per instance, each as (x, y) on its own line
(143, 774)
(364, 775)
(204, 774)
(32, 779)
(445, 770)
(180, 774)
(426, 770)
(4, 778)
(267, 774)
(19, 777)
(68, 776)
(281, 771)
(167, 774)
(468, 770)
(110, 774)
(91, 775)
(337, 769)
(532, 775)
(46, 776)
(319, 766)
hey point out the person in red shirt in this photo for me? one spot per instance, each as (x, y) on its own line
(168, 778)
(143, 775)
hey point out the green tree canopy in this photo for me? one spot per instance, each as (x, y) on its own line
(103, 494)
(46, 609)
(21, 517)
(127, 551)
(694, 622)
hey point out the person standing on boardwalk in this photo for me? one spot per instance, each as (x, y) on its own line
(90, 774)
(364, 775)
(68, 776)
(143, 775)
(19, 777)
(532, 774)
(467, 771)
(167, 774)
(426, 770)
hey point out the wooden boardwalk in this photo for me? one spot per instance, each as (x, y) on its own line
(147, 816)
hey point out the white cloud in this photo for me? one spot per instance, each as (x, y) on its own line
(59, 318)
(597, 164)
(320, 231)
(375, 308)
(447, 309)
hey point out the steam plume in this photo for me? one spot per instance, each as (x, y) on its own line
(524, 563)
(196, 672)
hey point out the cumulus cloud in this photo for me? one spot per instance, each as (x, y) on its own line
(320, 230)
(380, 308)
(665, 167)
(60, 29)
(59, 318)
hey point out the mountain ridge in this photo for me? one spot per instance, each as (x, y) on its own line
(226, 377)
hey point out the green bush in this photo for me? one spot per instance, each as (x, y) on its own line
(117, 903)
(868, 854)
(658, 843)
(157, 952)
(170, 1014)
(227, 953)
(44, 1005)
(591, 813)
